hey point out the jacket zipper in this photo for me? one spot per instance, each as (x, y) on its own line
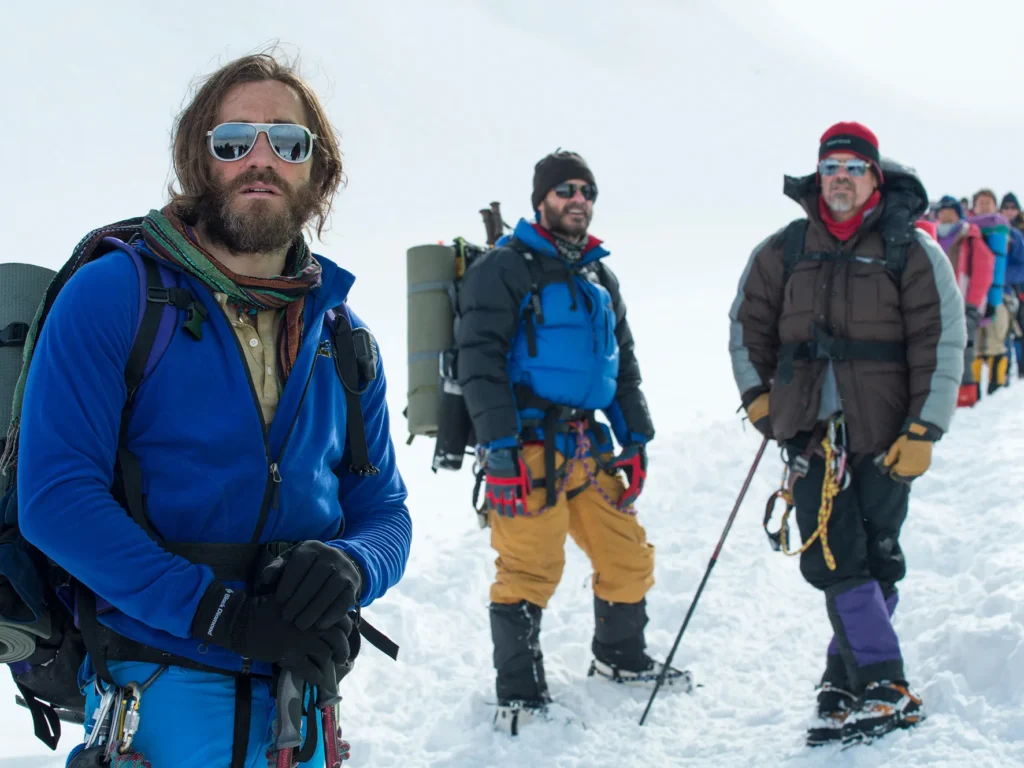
(271, 466)
(272, 498)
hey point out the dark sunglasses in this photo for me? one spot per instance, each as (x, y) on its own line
(567, 191)
(233, 141)
(854, 167)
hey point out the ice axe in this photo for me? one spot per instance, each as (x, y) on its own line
(291, 693)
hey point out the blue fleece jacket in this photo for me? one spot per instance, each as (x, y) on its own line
(205, 454)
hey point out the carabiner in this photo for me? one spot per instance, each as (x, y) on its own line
(129, 725)
(775, 537)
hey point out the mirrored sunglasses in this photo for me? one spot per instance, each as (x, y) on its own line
(233, 141)
(854, 166)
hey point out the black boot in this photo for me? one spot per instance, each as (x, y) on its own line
(833, 706)
(518, 661)
(619, 635)
(619, 648)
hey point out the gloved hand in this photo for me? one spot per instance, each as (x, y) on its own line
(757, 412)
(316, 584)
(986, 319)
(911, 454)
(252, 626)
(508, 482)
(632, 461)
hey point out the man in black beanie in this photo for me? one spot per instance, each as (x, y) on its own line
(543, 346)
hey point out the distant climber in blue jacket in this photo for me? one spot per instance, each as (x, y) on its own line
(1010, 208)
(266, 527)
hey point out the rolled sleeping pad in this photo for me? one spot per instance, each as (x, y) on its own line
(430, 274)
(22, 287)
(18, 641)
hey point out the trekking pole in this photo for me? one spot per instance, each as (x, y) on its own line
(707, 573)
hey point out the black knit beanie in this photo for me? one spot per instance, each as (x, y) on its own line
(557, 167)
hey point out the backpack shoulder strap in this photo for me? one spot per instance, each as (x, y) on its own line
(896, 258)
(793, 238)
(159, 303)
(539, 277)
(354, 354)
(355, 358)
(156, 326)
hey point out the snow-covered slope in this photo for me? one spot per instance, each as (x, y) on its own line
(756, 642)
(689, 113)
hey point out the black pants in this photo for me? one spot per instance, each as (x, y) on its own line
(860, 594)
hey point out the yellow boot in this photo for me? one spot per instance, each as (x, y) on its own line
(976, 368)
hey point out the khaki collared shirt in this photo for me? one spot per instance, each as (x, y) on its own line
(258, 335)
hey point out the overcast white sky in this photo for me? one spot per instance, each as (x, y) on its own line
(689, 112)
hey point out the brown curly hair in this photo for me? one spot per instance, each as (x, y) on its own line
(191, 159)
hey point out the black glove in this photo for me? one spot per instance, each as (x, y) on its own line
(317, 584)
(508, 482)
(253, 627)
(990, 311)
(632, 461)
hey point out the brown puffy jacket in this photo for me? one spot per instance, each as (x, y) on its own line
(852, 297)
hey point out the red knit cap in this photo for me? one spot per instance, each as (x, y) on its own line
(855, 138)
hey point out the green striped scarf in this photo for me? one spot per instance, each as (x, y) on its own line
(170, 239)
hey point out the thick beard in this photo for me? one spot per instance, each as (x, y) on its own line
(255, 226)
(558, 226)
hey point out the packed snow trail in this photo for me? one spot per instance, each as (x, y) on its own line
(756, 642)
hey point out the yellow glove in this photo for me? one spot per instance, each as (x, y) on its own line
(757, 412)
(911, 454)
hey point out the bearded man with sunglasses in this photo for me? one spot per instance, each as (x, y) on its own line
(239, 438)
(847, 339)
(543, 345)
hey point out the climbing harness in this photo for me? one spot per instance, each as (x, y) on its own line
(564, 472)
(830, 440)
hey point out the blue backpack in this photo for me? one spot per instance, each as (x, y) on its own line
(47, 620)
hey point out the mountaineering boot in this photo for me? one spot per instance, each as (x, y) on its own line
(997, 372)
(520, 685)
(834, 705)
(513, 715)
(883, 707)
(642, 678)
(618, 648)
(976, 370)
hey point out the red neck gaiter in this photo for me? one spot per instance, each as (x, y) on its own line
(843, 230)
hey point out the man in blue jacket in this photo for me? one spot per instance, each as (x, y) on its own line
(543, 344)
(238, 435)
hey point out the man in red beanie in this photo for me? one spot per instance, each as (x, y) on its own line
(847, 340)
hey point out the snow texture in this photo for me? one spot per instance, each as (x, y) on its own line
(756, 643)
